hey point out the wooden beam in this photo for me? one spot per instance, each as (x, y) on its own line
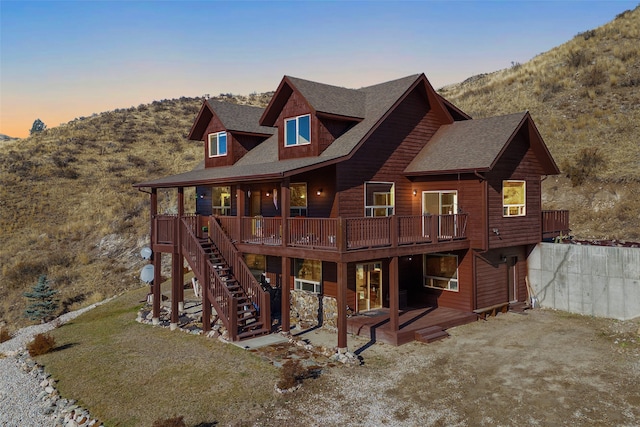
(176, 281)
(157, 285)
(394, 294)
(285, 294)
(285, 196)
(342, 307)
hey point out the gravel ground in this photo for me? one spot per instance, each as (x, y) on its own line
(19, 403)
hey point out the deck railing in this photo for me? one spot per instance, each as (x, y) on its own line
(252, 289)
(555, 223)
(165, 229)
(333, 234)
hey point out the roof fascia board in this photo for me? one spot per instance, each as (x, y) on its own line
(338, 117)
(196, 122)
(276, 104)
(452, 106)
(542, 148)
(421, 78)
(244, 132)
(197, 182)
(447, 172)
(434, 96)
(525, 117)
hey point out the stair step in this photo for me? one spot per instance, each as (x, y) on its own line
(252, 333)
(431, 334)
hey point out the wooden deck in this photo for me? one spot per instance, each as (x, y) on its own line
(376, 326)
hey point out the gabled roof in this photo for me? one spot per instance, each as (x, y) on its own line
(476, 145)
(369, 106)
(234, 117)
(262, 161)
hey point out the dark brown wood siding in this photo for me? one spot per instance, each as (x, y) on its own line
(319, 206)
(296, 106)
(492, 280)
(330, 279)
(471, 200)
(517, 163)
(386, 154)
(329, 130)
(242, 144)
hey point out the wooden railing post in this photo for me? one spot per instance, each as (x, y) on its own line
(233, 318)
(341, 238)
(394, 230)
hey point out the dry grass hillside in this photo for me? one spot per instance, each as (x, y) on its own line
(585, 98)
(67, 208)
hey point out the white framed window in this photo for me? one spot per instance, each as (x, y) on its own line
(514, 197)
(307, 275)
(378, 198)
(221, 200)
(297, 131)
(441, 271)
(217, 144)
(298, 199)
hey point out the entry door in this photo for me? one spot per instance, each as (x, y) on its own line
(440, 203)
(369, 286)
(254, 206)
(512, 280)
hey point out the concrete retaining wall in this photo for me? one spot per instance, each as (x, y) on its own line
(593, 280)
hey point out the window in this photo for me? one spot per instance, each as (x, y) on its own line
(298, 202)
(221, 200)
(378, 198)
(297, 131)
(217, 144)
(441, 272)
(514, 198)
(308, 275)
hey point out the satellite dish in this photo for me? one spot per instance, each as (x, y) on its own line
(147, 273)
(146, 253)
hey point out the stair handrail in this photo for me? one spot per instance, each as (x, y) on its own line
(219, 296)
(253, 290)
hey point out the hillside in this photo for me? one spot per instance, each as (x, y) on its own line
(67, 206)
(585, 98)
(68, 209)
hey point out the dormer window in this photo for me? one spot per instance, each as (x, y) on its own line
(217, 144)
(297, 131)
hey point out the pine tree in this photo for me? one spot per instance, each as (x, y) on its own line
(37, 127)
(43, 301)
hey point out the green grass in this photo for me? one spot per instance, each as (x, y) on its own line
(130, 374)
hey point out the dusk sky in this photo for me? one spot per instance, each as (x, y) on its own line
(64, 59)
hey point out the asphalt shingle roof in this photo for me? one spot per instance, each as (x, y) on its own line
(241, 118)
(262, 161)
(466, 145)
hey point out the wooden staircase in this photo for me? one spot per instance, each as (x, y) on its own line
(248, 317)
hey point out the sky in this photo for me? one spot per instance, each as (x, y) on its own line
(60, 60)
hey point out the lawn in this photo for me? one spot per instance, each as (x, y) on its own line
(129, 374)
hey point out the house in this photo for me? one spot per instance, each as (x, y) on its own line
(332, 201)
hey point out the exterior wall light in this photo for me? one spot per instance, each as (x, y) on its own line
(319, 192)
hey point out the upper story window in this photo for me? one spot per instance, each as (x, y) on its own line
(378, 198)
(298, 202)
(297, 131)
(514, 198)
(217, 144)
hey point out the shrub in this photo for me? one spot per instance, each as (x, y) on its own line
(4, 335)
(595, 75)
(170, 422)
(291, 374)
(585, 164)
(41, 344)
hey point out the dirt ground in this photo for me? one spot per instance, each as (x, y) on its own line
(543, 368)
